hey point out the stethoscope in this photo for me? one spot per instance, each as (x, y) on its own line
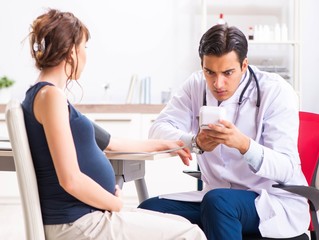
(241, 96)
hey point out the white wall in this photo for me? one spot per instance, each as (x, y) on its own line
(309, 55)
(149, 38)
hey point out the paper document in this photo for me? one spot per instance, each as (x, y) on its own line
(145, 153)
(115, 155)
(193, 196)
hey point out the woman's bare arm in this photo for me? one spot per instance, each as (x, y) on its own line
(51, 110)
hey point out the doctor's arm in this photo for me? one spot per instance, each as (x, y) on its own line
(176, 120)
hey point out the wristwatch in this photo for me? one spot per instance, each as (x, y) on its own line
(195, 148)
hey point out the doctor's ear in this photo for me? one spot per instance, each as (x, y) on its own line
(244, 65)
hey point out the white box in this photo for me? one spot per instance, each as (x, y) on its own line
(210, 115)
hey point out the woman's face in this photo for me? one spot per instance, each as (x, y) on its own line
(80, 59)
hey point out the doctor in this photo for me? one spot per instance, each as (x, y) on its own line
(254, 148)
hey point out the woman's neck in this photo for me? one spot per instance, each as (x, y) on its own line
(55, 75)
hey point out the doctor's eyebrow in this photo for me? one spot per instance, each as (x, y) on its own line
(208, 70)
(224, 72)
(229, 71)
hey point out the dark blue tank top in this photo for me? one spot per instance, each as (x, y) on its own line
(57, 205)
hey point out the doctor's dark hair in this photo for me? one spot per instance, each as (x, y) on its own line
(221, 39)
(52, 37)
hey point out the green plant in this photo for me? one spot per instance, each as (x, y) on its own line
(5, 82)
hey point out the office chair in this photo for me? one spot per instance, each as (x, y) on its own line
(308, 147)
(25, 171)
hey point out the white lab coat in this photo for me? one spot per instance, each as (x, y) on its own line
(274, 126)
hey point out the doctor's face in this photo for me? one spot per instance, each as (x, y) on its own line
(223, 74)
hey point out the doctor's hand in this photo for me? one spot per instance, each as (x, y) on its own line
(227, 134)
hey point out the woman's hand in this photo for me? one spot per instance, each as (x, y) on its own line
(118, 191)
(184, 153)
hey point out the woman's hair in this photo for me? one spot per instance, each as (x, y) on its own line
(221, 39)
(53, 36)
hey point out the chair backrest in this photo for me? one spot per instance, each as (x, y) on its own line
(308, 146)
(25, 171)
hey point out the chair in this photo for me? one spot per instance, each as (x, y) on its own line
(308, 147)
(25, 171)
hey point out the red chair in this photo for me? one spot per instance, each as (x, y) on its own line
(308, 146)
